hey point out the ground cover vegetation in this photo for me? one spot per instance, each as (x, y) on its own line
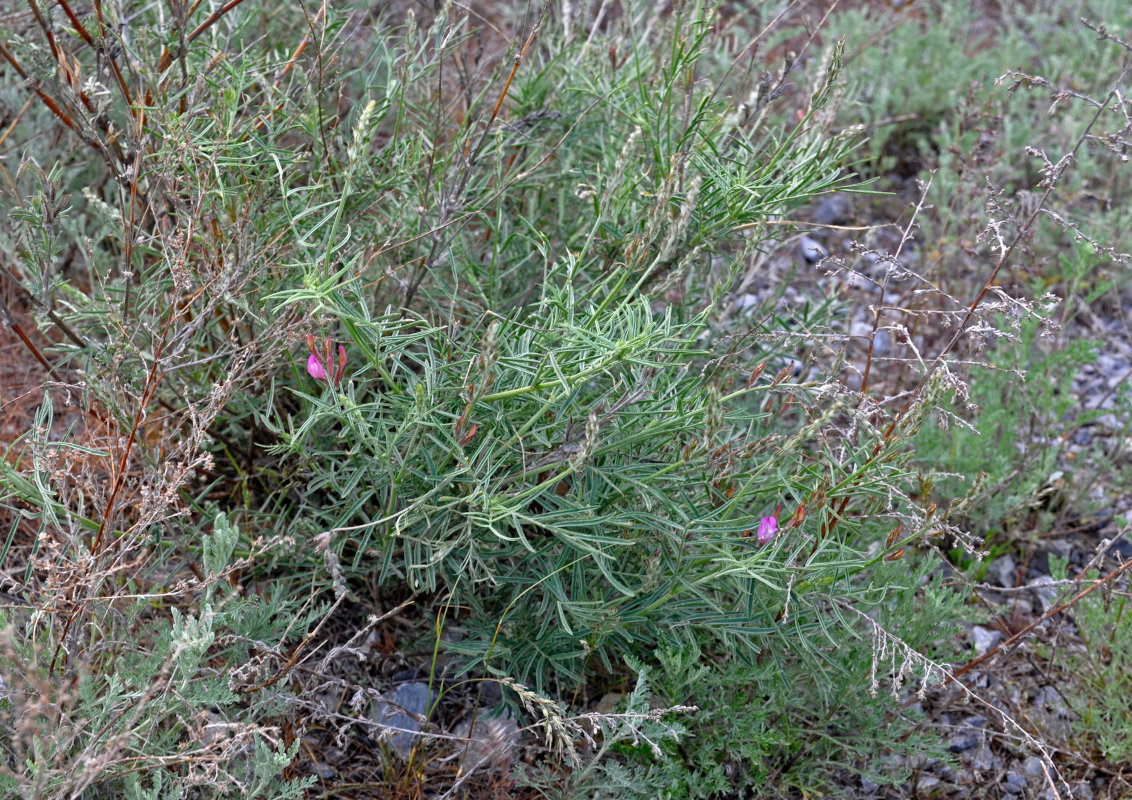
(565, 400)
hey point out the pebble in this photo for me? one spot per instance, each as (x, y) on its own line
(396, 709)
(833, 209)
(982, 758)
(1122, 548)
(1004, 570)
(962, 742)
(1013, 783)
(926, 783)
(745, 302)
(984, 639)
(1032, 767)
(1051, 700)
(812, 250)
(1047, 594)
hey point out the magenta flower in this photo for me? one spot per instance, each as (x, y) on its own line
(767, 528)
(316, 363)
(315, 368)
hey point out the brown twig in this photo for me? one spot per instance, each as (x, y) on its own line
(167, 57)
(47, 100)
(86, 37)
(121, 80)
(153, 379)
(46, 30)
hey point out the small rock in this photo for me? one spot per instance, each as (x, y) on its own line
(832, 209)
(981, 757)
(984, 639)
(868, 786)
(1047, 594)
(401, 709)
(1122, 548)
(1083, 791)
(746, 302)
(608, 702)
(1114, 381)
(1013, 783)
(1111, 367)
(1004, 570)
(961, 742)
(926, 783)
(1032, 767)
(812, 250)
(1049, 698)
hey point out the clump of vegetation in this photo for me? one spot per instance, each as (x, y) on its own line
(466, 351)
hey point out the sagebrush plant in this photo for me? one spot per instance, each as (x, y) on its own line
(342, 306)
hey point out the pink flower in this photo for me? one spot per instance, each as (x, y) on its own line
(316, 362)
(315, 368)
(767, 528)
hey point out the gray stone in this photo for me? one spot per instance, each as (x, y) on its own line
(1013, 783)
(1047, 594)
(812, 250)
(984, 639)
(1032, 767)
(833, 209)
(401, 710)
(1004, 570)
(965, 740)
(981, 757)
(926, 783)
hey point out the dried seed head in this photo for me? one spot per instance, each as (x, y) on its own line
(660, 214)
(618, 175)
(589, 442)
(714, 414)
(488, 355)
(679, 222)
